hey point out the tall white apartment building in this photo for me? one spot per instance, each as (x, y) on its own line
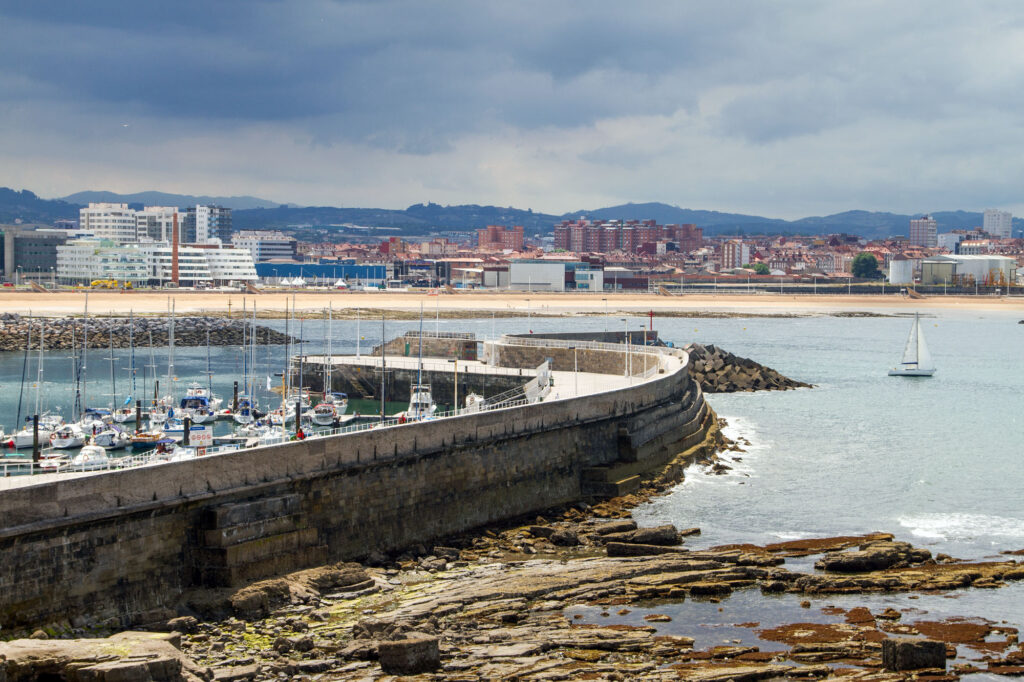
(115, 222)
(923, 231)
(156, 223)
(998, 223)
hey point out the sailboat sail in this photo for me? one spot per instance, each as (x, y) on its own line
(924, 358)
(910, 356)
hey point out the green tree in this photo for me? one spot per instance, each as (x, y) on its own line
(865, 266)
(761, 269)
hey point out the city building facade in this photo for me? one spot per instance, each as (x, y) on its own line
(998, 223)
(499, 238)
(115, 222)
(923, 231)
(266, 245)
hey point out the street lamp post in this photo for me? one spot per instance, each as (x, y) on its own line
(628, 364)
(455, 407)
(575, 372)
(529, 317)
(605, 313)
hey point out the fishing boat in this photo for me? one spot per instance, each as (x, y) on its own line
(68, 436)
(916, 361)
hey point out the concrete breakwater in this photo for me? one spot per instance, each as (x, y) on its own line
(60, 333)
(124, 547)
(719, 371)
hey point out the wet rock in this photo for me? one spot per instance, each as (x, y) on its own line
(900, 655)
(185, 624)
(872, 557)
(619, 549)
(410, 656)
(623, 526)
(564, 537)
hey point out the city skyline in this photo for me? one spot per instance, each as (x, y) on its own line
(777, 110)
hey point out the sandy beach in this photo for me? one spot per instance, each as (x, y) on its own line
(504, 303)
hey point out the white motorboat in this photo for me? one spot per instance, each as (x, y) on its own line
(68, 436)
(475, 402)
(916, 361)
(421, 404)
(330, 409)
(112, 439)
(89, 458)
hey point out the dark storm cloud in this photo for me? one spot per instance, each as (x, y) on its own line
(377, 72)
(560, 104)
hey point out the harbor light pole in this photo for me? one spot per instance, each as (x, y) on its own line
(575, 372)
(455, 408)
(628, 364)
(605, 313)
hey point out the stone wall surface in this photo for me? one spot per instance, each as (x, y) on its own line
(121, 546)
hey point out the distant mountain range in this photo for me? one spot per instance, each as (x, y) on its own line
(165, 199)
(422, 219)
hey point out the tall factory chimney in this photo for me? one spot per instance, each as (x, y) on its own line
(174, 250)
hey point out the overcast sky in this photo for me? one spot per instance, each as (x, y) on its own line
(783, 109)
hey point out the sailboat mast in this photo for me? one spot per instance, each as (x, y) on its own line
(209, 370)
(24, 370)
(85, 354)
(329, 365)
(39, 374)
(131, 346)
(383, 367)
(419, 372)
(170, 350)
(113, 381)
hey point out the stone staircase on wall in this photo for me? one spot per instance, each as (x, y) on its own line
(243, 541)
(650, 441)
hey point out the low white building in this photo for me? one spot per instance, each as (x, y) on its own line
(266, 245)
(967, 270)
(85, 260)
(536, 276)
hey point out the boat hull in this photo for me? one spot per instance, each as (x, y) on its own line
(899, 372)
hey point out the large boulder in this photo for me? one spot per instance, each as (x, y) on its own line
(913, 654)
(416, 653)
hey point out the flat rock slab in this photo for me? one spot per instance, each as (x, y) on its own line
(126, 657)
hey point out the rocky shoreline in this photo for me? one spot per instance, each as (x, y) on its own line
(58, 333)
(548, 598)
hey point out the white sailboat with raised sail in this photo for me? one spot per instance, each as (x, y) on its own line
(916, 361)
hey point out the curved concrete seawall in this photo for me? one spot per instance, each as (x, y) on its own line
(125, 545)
